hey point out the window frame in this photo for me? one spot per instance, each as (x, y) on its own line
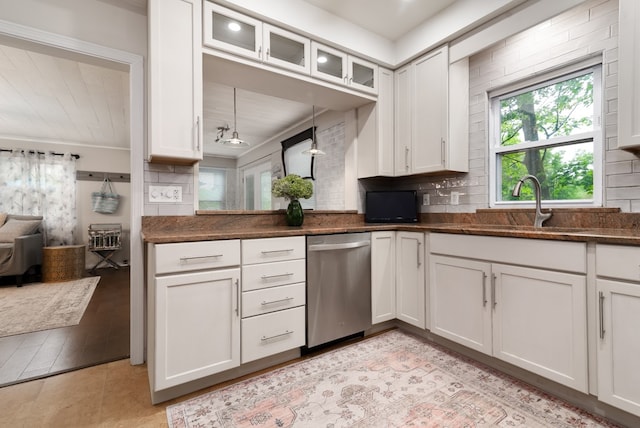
(596, 135)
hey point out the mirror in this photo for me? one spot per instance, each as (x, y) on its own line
(238, 179)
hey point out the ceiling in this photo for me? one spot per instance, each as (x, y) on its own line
(391, 19)
(54, 97)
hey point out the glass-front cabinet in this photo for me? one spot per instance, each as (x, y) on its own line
(328, 64)
(232, 31)
(286, 49)
(239, 34)
(363, 74)
(338, 67)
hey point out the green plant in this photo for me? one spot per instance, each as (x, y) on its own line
(292, 187)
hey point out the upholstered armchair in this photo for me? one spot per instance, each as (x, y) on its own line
(21, 242)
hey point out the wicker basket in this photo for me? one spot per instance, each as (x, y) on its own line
(63, 263)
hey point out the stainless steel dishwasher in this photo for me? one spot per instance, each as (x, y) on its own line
(338, 286)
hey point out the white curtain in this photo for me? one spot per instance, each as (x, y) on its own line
(41, 184)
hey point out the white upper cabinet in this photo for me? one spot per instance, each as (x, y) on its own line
(431, 115)
(628, 75)
(363, 74)
(375, 131)
(175, 81)
(242, 35)
(338, 67)
(232, 31)
(286, 49)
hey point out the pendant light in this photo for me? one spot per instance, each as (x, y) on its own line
(235, 141)
(314, 150)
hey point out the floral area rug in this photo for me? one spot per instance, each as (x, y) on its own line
(390, 380)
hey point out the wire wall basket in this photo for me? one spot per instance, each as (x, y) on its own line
(105, 236)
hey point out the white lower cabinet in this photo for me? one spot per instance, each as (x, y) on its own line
(194, 311)
(533, 318)
(273, 296)
(197, 326)
(383, 276)
(398, 277)
(410, 278)
(460, 308)
(540, 322)
(618, 287)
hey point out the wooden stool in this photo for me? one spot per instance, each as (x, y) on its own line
(63, 263)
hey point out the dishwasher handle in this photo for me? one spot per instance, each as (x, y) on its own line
(341, 246)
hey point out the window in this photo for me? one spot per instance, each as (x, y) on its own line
(550, 129)
(213, 188)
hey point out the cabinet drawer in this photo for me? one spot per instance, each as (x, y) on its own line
(266, 275)
(272, 333)
(272, 299)
(272, 249)
(618, 261)
(187, 256)
(543, 254)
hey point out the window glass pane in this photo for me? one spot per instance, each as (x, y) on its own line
(560, 109)
(564, 172)
(249, 189)
(212, 188)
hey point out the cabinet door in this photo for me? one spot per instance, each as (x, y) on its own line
(231, 31)
(619, 345)
(175, 81)
(410, 278)
(540, 323)
(286, 49)
(328, 64)
(403, 120)
(383, 276)
(430, 112)
(363, 75)
(197, 325)
(375, 131)
(628, 76)
(460, 301)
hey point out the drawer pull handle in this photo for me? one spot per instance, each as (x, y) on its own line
(285, 250)
(200, 259)
(286, 333)
(265, 277)
(286, 299)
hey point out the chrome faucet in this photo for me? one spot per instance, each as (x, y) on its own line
(540, 216)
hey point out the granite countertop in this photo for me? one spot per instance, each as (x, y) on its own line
(595, 225)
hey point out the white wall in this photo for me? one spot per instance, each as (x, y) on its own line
(89, 20)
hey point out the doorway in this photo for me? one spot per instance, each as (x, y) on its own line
(134, 64)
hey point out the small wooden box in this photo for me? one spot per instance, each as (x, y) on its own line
(63, 263)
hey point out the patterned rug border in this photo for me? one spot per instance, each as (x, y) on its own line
(48, 317)
(532, 402)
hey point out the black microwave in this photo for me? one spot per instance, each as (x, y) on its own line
(391, 206)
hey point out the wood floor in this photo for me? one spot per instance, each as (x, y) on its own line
(101, 336)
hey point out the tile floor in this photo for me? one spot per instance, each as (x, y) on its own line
(101, 336)
(114, 394)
